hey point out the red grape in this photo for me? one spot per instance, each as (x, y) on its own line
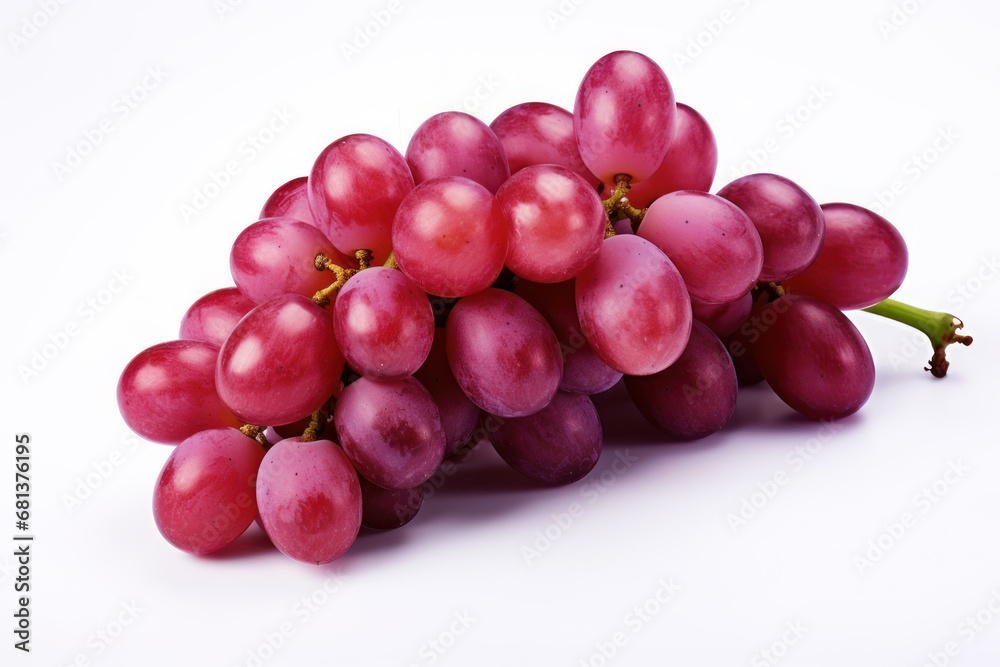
(281, 362)
(689, 164)
(290, 200)
(212, 317)
(556, 223)
(276, 256)
(559, 444)
(696, 395)
(711, 242)
(862, 261)
(540, 133)
(167, 393)
(813, 357)
(309, 498)
(385, 509)
(391, 431)
(458, 414)
(788, 220)
(205, 495)
(503, 353)
(633, 307)
(384, 323)
(583, 371)
(450, 237)
(355, 187)
(454, 143)
(624, 116)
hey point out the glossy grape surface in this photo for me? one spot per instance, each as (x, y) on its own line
(167, 393)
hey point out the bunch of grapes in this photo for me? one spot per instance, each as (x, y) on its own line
(386, 305)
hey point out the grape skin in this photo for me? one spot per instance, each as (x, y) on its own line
(450, 237)
(723, 318)
(214, 316)
(391, 430)
(205, 497)
(583, 371)
(503, 353)
(711, 241)
(624, 116)
(696, 395)
(559, 444)
(689, 164)
(386, 509)
(453, 143)
(862, 261)
(281, 362)
(290, 200)
(276, 256)
(540, 133)
(789, 221)
(813, 357)
(167, 392)
(355, 187)
(459, 415)
(633, 306)
(556, 223)
(384, 323)
(309, 498)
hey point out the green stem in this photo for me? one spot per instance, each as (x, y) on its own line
(940, 328)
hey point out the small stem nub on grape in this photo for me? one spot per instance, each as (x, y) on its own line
(618, 203)
(324, 263)
(940, 328)
(316, 425)
(364, 257)
(391, 261)
(255, 432)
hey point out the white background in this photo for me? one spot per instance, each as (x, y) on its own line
(885, 97)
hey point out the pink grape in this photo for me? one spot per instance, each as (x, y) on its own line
(385, 509)
(559, 444)
(384, 323)
(450, 237)
(503, 353)
(205, 495)
(744, 361)
(309, 498)
(167, 393)
(813, 357)
(276, 256)
(391, 431)
(583, 371)
(788, 220)
(540, 133)
(689, 164)
(711, 242)
(281, 362)
(556, 223)
(355, 187)
(723, 318)
(862, 261)
(624, 116)
(212, 317)
(454, 143)
(458, 414)
(290, 200)
(633, 306)
(696, 395)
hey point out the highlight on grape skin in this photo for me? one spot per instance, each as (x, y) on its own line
(167, 393)
(392, 313)
(205, 496)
